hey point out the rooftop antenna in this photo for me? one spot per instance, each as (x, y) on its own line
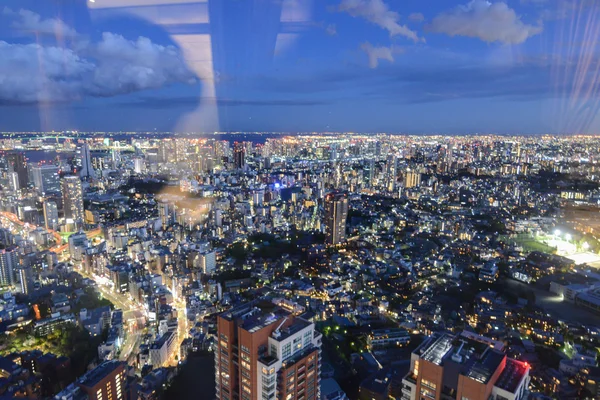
(276, 332)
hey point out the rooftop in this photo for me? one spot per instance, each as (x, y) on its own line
(297, 325)
(256, 315)
(436, 352)
(512, 375)
(93, 377)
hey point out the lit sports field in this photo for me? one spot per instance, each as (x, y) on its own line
(592, 259)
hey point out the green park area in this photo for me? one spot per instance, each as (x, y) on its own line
(528, 243)
(70, 341)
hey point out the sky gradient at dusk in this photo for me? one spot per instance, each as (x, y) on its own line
(521, 66)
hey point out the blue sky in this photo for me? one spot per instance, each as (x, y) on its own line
(436, 66)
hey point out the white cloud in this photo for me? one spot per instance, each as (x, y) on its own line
(29, 22)
(331, 30)
(417, 17)
(490, 22)
(377, 12)
(31, 73)
(376, 53)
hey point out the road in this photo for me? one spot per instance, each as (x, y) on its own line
(8, 219)
(182, 329)
(134, 319)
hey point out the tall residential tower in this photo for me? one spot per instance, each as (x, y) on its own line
(336, 214)
(72, 192)
(265, 352)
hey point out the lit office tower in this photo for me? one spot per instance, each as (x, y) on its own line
(87, 170)
(24, 281)
(239, 155)
(464, 366)
(16, 163)
(265, 352)
(50, 214)
(13, 182)
(139, 165)
(9, 261)
(46, 179)
(412, 179)
(336, 213)
(72, 198)
(105, 382)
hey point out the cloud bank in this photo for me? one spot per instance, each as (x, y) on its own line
(34, 73)
(376, 53)
(378, 13)
(27, 21)
(490, 22)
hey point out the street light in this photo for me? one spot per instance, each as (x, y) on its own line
(557, 232)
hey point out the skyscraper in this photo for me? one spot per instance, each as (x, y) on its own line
(46, 179)
(9, 261)
(50, 215)
(72, 192)
(412, 179)
(239, 155)
(87, 170)
(13, 182)
(336, 214)
(265, 352)
(464, 366)
(24, 281)
(16, 163)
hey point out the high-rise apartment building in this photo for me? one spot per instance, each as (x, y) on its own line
(265, 352)
(87, 169)
(207, 261)
(464, 367)
(239, 155)
(24, 279)
(72, 192)
(105, 382)
(46, 179)
(17, 163)
(9, 261)
(336, 214)
(13, 182)
(412, 179)
(50, 215)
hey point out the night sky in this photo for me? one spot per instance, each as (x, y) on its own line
(411, 66)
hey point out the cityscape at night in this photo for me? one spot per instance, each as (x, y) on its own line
(299, 200)
(317, 266)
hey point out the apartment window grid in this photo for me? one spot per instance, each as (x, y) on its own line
(287, 351)
(297, 344)
(307, 338)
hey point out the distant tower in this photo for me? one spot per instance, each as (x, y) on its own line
(87, 170)
(139, 165)
(412, 179)
(9, 261)
(50, 215)
(24, 281)
(239, 155)
(13, 182)
(336, 214)
(16, 163)
(72, 192)
(46, 179)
